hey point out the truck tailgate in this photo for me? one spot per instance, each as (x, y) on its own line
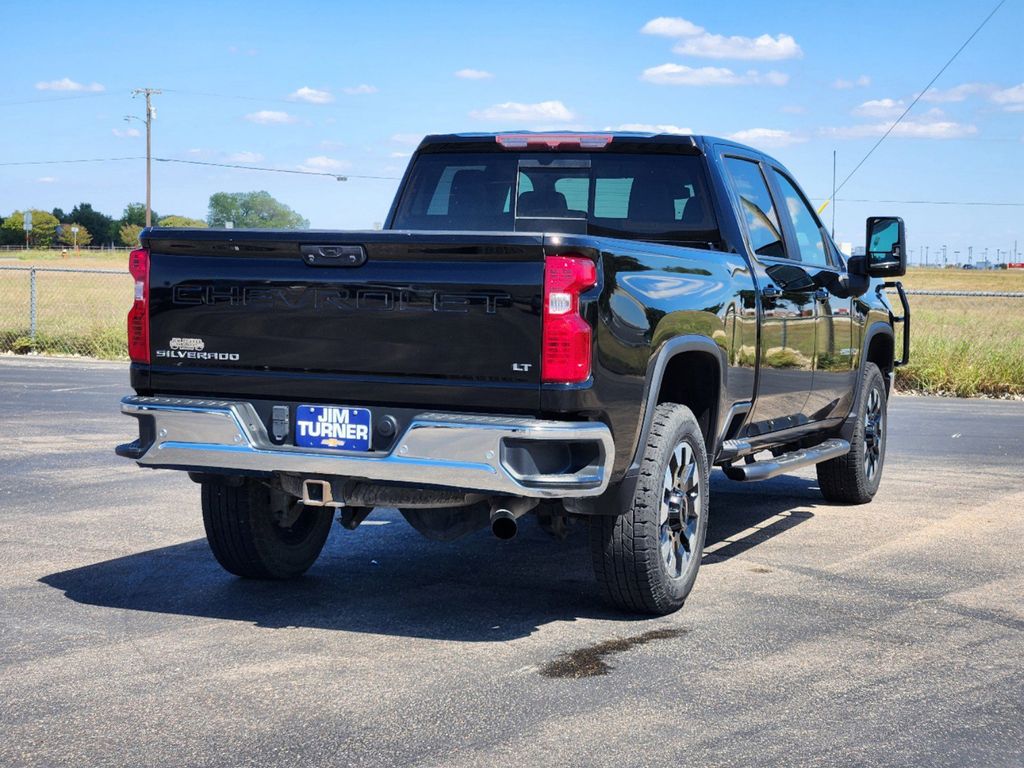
(383, 318)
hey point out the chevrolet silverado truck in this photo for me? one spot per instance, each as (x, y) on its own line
(577, 326)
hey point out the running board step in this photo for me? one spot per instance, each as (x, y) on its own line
(787, 462)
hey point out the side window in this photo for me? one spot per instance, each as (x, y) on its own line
(756, 207)
(808, 232)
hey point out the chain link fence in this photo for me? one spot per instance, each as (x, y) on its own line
(64, 311)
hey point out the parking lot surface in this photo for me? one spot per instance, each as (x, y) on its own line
(888, 634)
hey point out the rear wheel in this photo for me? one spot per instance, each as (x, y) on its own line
(249, 538)
(854, 478)
(646, 559)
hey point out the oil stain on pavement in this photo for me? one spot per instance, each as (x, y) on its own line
(590, 660)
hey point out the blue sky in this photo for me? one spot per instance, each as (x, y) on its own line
(349, 88)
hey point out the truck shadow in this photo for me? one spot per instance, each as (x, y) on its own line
(384, 579)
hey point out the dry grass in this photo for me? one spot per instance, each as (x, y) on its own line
(964, 346)
(965, 279)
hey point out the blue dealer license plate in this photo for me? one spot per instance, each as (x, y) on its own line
(329, 426)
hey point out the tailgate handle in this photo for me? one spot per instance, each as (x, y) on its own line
(334, 255)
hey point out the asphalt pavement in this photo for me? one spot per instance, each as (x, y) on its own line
(889, 634)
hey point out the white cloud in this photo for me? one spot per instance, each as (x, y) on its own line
(651, 128)
(126, 133)
(46, 179)
(311, 96)
(761, 48)
(244, 157)
(908, 129)
(954, 94)
(67, 84)
(270, 117)
(512, 111)
(679, 74)
(1011, 99)
(844, 85)
(397, 155)
(474, 74)
(880, 108)
(668, 26)
(356, 90)
(766, 137)
(694, 40)
(324, 164)
(407, 138)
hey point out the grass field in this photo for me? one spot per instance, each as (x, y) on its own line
(964, 346)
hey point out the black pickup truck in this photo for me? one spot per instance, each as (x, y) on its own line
(570, 325)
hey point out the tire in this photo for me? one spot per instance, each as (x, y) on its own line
(245, 537)
(646, 559)
(854, 478)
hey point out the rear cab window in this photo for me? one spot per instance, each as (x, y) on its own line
(652, 197)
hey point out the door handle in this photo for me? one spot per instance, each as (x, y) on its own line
(771, 292)
(822, 294)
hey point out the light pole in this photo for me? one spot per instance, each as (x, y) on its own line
(150, 116)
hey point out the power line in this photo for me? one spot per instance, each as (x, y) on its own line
(917, 98)
(927, 202)
(236, 96)
(87, 160)
(202, 162)
(58, 98)
(339, 176)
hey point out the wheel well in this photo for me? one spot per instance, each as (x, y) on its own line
(880, 352)
(693, 379)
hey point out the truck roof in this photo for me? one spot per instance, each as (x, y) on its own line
(696, 144)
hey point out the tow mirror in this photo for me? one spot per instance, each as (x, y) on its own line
(885, 250)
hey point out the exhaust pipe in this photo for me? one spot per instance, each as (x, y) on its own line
(505, 513)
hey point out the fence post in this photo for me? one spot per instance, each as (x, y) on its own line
(32, 303)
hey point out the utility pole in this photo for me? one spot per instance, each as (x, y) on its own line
(970, 254)
(926, 255)
(150, 114)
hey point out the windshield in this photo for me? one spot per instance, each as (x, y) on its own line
(653, 197)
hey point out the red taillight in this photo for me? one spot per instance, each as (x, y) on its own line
(138, 315)
(566, 345)
(554, 140)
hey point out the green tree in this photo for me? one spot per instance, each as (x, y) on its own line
(253, 209)
(135, 213)
(180, 221)
(67, 237)
(128, 234)
(99, 224)
(44, 228)
(59, 214)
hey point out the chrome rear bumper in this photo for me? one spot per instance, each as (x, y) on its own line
(448, 450)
